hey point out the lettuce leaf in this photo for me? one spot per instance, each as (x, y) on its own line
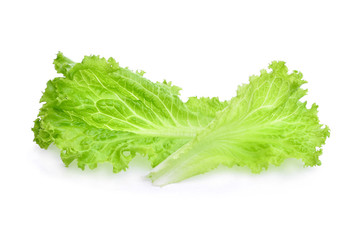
(100, 112)
(263, 125)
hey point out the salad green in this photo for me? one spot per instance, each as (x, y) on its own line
(100, 112)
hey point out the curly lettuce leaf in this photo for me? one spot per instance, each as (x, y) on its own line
(263, 125)
(99, 112)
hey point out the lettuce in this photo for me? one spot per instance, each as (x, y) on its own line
(264, 124)
(100, 112)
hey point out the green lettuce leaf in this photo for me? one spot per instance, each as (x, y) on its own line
(99, 112)
(263, 125)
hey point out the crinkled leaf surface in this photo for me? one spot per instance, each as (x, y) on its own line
(99, 112)
(265, 124)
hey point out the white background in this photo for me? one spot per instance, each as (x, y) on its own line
(207, 48)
